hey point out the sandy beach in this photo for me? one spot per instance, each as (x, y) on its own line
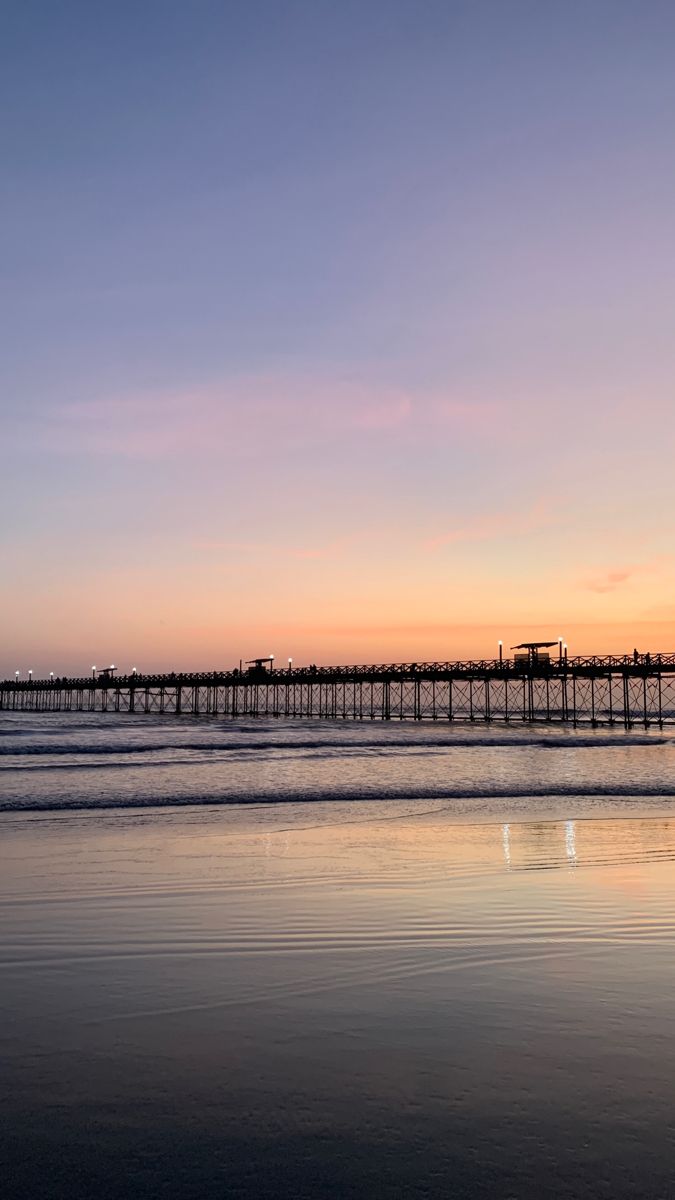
(334, 997)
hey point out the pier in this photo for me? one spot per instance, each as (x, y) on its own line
(611, 689)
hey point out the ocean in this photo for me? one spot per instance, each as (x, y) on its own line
(275, 958)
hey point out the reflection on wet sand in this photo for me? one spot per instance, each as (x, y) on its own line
(430, 842)
(294, 846)
(547, 844)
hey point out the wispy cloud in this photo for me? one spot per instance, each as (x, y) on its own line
(247, 415)
(489, 526)
(615, 577)
(609, 581)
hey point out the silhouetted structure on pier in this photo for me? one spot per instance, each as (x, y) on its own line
(611, 689)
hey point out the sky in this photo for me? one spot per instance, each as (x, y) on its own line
(335, 331)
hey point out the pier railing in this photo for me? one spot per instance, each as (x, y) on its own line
(611, 689)
(579, 665)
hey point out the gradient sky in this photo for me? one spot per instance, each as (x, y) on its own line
(338, 330)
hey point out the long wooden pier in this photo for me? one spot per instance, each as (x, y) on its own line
(614, 689)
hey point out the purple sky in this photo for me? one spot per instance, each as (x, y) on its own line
(346, 325)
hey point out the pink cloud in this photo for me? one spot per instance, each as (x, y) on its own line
(610, 580)
(251, 414)
(489, 526)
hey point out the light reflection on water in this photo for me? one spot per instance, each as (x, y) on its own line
(570, 843)
(506, 839)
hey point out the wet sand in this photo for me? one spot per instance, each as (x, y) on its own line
(352, 999)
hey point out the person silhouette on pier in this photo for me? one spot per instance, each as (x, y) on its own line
(636, 657)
